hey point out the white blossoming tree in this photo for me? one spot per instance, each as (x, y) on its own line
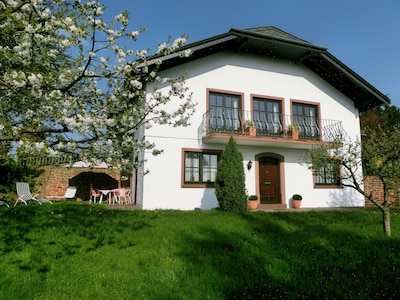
(67, 85)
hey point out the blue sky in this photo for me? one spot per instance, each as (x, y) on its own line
(363, 34)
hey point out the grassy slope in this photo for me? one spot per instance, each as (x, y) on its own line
(78, 251)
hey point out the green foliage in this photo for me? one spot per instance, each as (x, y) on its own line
(58, 251)
(292, 127)
(387, 116)
(381, 153)
(297, 197)
(380, 157)
(344, 154)
(230, 187)
(12, 171)
(4, 149)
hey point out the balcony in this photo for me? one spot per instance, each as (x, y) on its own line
(271, 129)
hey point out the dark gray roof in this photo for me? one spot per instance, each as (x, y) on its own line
(271, 31)
(273, 42)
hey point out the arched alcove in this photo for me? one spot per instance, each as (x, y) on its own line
(85, 180)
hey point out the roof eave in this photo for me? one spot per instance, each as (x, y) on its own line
(351, 84)
(176, 58)
(376, 97)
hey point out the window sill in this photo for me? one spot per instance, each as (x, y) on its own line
(321, 186)
(197, 185)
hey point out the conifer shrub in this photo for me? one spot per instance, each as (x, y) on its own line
(230, 187)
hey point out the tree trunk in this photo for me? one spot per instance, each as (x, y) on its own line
(386, 209)
(386, 220)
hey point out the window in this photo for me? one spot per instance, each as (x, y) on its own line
(225, 113)
(200, 167)
(328, 175)
(267, 116)
(305, 116)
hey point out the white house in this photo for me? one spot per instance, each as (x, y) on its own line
(275, 80)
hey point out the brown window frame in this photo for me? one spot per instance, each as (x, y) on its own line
(336, 182)
(220, 124)
(200, 183)
(277, 124)
(311, 129)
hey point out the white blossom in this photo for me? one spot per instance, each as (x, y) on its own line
(179, 42)
(35, 79)
(61, 80)
(136, 84)
(162, 47)
(65, 43)
(186, 53)
(134, 34)
(141, 53)
(68, 21)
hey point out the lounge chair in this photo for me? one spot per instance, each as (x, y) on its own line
(24, 195)
(69, 194)
(3, 202)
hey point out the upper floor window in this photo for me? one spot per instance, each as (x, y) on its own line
(225, 113)
(200, 167)
(267, 116)
(305, 116)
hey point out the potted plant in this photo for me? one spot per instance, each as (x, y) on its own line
(252, 202)
(293, 131)
(250, 128)
(296, 198)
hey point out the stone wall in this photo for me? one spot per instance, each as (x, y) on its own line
(54, 181)
(374, 185)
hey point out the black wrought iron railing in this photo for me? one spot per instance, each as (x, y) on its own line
(270, 124)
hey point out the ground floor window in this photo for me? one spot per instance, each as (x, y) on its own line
(200, 166)
(327, 175)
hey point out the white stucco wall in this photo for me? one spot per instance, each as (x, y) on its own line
(161, 188)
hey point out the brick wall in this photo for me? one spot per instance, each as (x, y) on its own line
(374, 185)
(54, 181)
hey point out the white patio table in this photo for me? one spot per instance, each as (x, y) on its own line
(107, 193)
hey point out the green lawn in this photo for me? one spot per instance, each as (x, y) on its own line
(80, 251)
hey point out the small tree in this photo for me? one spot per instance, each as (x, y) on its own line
(380, 157)
(230, 180)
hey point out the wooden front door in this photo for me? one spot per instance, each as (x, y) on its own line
(269, 184)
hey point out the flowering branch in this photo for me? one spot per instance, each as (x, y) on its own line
(67, 85)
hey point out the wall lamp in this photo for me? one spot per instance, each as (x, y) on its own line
(249, 165)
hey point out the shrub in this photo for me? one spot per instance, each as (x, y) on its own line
(11, 172)
(230, 180)
(297, 197)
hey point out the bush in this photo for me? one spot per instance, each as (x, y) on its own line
(230, 180)
(11, 172)
(297, 197)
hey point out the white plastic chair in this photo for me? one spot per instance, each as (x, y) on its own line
(94, 195)
(124, 194)
(24, 195)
